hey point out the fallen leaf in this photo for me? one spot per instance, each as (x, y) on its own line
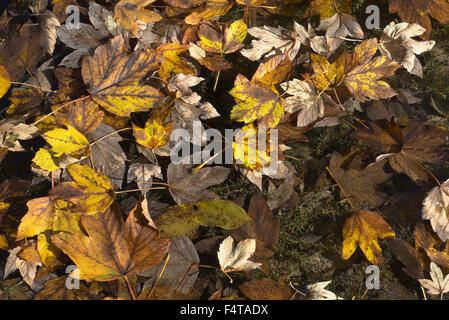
(27, 269)
(183, 218)
(129, 12)
(439, 284)
(363, 229)
(235, 258)
(436, 209)
(211, 9)
(266, 289)
(397, 44)
(316, 291)
(112, 249)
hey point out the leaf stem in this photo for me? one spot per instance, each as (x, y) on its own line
(144, 189)
(32, 85)
(160, 275)
(108, 135)
(59, 108)
(216, 80)
(129, 288)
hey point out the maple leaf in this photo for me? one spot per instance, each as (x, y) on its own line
(328, 8)
(273, 71)
(67, 141)
(129, 12)
(185, 4)
(358, 186)
(143, 173)
(363, 229)
(84, 115)
(113, 249)
(257, 102)
(4, 81)
(409, 257)
(406, 149)
(154, 135)
(362, 72)
(396, 43)
(222, 40)
(266, 289)
(186, 186)
(316, 291)
(90, 191)
(57, 289)
(326, 76)
(27, 269)
(306, 99)
(211, 9)
(212, 61)
(439, 284)
(48, 23)
(83, 39)
(235, 258)
(21, 52)
(420, 11)
(45, 214)
(24, 102)
(172, 62)
(11, 131)
(436, 208)
(114, 83)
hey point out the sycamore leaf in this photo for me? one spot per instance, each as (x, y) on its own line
(211, 9)
(4, 81)
(154, 135)
(24, 102)
(45, 214)
(11, 131)
(338, 26)
(27, 269)
(271, 40)
(216, 39)
(396, 43)
(316, 291)
(90, 191)
(304, 98)
(143, 173)
(266, 289)
(409, 257)
(129, 12)
(112, 249)
(183, 218)
(420, 11)
(57, 289)
(406, 149)
(21, 52)
(257, 102)
(273, 71)
(235, 258)
(103, 20)
(439, 284)
(83, 39)
(185, 4)
(114, 83)
(172, 62)
(326, 76)
(358, 186)
(185, 186)
(362, 72)
(436, 209)
(67, 141)
(363, 229)
(328, 8)
(85, 115)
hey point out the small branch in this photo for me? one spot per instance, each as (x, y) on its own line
(32, 85)
(160, 275)
(144, 189)
(109, 134)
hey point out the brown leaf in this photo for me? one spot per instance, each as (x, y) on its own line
(266, 289)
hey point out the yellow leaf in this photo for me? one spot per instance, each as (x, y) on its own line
(67, 141)
(246, 151)
(113, 78)
(274, 71)
(363, 229)
(3, 242)
(129, 12)
(4, 81)
(90, 191)
(173, 63)
(45, 214)
(24, 102)
(216, 40)
(113, 249)
(154, 135)
(257, 102)
(46, 160)
(326, 76)
(211, 9)
(328, 8)
(48, 252)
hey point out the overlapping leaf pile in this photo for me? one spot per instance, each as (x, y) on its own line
(88, 192)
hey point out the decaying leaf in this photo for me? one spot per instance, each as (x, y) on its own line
(436, 209)
(235, 257)
(439, 284)
(316, 291)
(183, 218)
(129, 12)
(363, 229)
(266, 289)
(112, 249)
